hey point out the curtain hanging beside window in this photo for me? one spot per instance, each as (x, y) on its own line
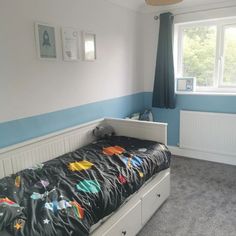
(164, 84)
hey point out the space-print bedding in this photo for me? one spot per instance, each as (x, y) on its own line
(69, 194)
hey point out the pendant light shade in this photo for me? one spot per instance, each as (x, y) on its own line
(162, 2)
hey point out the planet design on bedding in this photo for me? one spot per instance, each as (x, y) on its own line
(72, 192)
(88, 186)
(115, 150)
(122, 179)
(8, 202)
(78, 209)
(80, 165)
(130, 160)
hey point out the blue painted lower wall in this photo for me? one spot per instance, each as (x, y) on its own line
(17, 131)
(207, 103)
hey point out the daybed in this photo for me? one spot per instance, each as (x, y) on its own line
(68, 183)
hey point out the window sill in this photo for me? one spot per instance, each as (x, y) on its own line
(207, 93)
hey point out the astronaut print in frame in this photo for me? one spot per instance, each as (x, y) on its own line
(46, 41)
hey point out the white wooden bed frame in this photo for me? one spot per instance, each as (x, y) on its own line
(131, 216)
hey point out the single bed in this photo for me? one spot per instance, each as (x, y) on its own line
(82, 192)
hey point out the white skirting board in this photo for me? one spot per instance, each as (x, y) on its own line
(201, 155)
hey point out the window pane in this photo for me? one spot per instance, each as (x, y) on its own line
(199, 52)
(229, 77)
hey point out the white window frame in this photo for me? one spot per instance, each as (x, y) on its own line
(221, 25)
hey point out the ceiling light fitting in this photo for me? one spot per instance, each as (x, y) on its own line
(161, 2)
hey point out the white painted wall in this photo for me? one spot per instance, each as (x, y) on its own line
(29, 86)
(150, 29)
(126, 48)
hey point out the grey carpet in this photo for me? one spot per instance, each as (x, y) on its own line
(202, 201)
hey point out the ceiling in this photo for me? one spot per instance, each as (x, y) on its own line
(139, 5)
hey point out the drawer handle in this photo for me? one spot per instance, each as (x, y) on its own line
(124, 232)
(158, 195)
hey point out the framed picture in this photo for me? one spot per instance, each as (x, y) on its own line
(46, 41)
(89, 46)
(70, 44)
(185, 84)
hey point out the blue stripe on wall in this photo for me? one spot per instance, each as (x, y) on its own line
(207, 103)
(17, 131)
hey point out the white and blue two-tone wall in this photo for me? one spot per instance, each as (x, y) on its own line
(39, 96)
(221, 103)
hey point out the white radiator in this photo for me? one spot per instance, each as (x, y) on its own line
(208, 132)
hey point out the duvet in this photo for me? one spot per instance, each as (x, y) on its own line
(69, 194)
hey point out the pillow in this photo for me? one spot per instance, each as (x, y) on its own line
(103, 131)
(9, 211)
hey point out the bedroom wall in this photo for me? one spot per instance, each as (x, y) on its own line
(208, 103)
(37, 96)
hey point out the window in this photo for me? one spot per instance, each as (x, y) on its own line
(207, 51)
(229, 56)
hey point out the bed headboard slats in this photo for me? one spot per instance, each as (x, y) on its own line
(27, 154)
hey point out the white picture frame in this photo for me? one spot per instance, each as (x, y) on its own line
(89, 46)
(186, 84)
(45, 36)
(70, 44)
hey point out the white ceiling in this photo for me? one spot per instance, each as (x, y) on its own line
(139, 5)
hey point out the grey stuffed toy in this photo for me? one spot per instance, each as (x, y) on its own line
(103, 131)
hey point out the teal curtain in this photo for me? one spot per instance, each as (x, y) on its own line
(164, 84)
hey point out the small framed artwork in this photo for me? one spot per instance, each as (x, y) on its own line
(70, 44)
(46, 41)
(89, 46)
(185, 84)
